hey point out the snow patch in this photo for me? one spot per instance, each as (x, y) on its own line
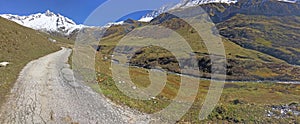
(289, 1)
(145, 19)
(3, 64)
(113, 23)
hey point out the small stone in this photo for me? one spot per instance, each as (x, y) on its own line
(134, 87)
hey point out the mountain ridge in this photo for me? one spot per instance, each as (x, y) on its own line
(47, 22)
(192, 3)
(57, 24)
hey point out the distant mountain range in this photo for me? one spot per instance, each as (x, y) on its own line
(182, 4)
(58, 24)
(261, 38)
(191, 3)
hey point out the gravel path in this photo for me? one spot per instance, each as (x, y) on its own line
(46, 93)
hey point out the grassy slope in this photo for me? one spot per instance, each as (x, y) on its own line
(276, 36)
(19, 45)
(255, 97)
(243, 63)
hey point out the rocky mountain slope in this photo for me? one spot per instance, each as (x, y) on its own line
(260, 43)
(247, 6)
(183, 4)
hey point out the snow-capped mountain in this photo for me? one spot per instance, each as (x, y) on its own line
(290, 1)
(182, 4)
(148, 17)
(113, 23)
(47, 22)
(190, 3)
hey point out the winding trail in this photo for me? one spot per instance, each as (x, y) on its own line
(46, 93)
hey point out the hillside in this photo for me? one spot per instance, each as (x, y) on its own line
(18, 46)
(222, 12)
(252, 55)
(276, 35)
(271, 27)
(262, 47)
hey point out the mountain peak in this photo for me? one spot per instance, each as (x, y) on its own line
(49, 13)
(47, 22)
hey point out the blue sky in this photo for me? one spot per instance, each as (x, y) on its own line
(77, 10)
(98, 11)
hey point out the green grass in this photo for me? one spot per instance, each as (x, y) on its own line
(255, 98)
(245, 63)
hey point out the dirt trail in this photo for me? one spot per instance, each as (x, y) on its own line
(46, 93)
